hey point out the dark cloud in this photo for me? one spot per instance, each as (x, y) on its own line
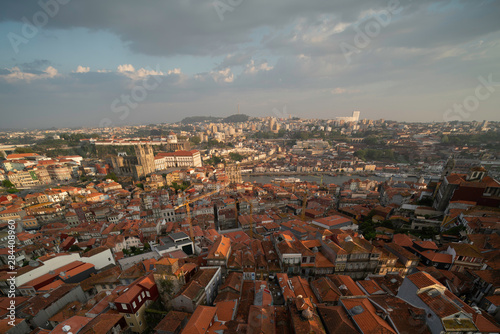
(194, 27)
(427, 57)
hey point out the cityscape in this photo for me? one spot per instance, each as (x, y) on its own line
(260, 168)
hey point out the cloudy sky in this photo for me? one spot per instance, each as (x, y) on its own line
(97, 63)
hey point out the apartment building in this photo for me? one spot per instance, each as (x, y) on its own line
(23, 179)
(135, 299)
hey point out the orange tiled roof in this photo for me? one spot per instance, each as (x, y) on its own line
(422, 279)
(200, 321)
(367, 320)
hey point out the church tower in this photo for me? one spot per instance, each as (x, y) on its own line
(145, 158)
(448, 168)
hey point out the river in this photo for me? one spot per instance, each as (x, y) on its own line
(338, 180)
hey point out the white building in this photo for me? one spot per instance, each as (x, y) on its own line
(164, 160)
(354, 118)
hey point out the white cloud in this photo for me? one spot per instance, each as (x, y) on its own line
(126, 68)
(225, 75)
(82, 69)
(17, 74)
(129, 71)
(251, 68)
(174, 71)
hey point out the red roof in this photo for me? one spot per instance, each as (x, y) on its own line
(73, 272)
(423, 280)
(364, 314)
(200, 320)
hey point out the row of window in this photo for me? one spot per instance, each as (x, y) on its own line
(141, 296)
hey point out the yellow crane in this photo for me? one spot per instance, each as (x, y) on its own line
(188, 209)
(319, 177)
(236, 203)
(304, 205)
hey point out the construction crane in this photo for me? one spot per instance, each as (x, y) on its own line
(304, 205)
(319, 177)
(188, 209)
(236, 209)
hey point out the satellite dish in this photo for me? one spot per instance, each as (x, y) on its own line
(34, 263)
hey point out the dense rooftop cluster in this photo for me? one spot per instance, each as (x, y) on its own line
(192, 247)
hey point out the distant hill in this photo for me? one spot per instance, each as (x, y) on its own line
(236, 118)
(230, 119)
(198, 119)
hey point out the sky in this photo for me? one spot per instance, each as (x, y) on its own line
(72, 63)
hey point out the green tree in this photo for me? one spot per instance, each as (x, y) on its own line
(74, 248)
(213, 161)
(183, 186)
(7, 184)
(112, 176)
(360, 154)
(236, 156)
(371, 140)
(23, 150)
(167, 286)
(195, 140)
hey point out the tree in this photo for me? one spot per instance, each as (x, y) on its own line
(183, 186)
(74, 248)
(195, 140)
(213, 161)
(371, 140)
(236, 156)
(360, 154)
(112, 176)
(7, 184)
(23, 150)
(167, 286)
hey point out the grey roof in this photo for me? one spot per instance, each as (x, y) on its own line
(169, 243)
(178, 235)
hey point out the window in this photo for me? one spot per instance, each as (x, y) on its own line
(127, 315)
(124, 306)
(147, 294)
(133, 304)
(131, 324)
(137, 313)
(140, 299)
(142, 294)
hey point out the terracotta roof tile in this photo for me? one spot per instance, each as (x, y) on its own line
(364, 315)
